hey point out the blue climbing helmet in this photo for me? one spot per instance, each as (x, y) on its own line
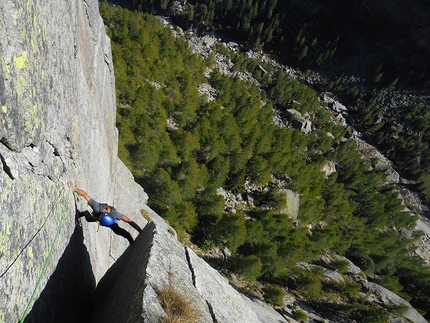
(106, 219)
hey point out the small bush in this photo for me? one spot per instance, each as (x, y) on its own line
(274, 295)
(341, 265)
(179, 307)
(145, 215)
(309, 284)
(300, 315)
(352, 289)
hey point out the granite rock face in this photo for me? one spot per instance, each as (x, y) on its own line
(385, 296)
(57, 123)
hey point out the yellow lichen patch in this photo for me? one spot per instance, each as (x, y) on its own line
(30, 252)
(21, 85)
(9, 226)
(1, 316)
(6, 68)
(18, 263)
(34, 46)
(5, 191)
(30, 120)
(21, 62)
(4, 109)
(2, 242)
(36, 119)
(5, 240)
(19, 12)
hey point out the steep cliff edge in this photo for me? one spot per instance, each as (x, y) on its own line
(57, 122)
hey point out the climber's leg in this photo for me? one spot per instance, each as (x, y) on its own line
(87, 216)
(121, 232)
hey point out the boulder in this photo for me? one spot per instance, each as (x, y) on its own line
(302, 123)
(328, 168)
(387, 297)
(293, 203)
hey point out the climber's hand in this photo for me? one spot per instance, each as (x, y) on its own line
(71, 184)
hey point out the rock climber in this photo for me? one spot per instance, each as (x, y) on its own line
(106, 215)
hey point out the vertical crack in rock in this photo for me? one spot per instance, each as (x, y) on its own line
(190, 265)
(193, 275)
(55, 149)
(87, 13)
(211, 311)
(107, 63)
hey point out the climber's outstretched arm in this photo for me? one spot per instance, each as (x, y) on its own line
(79, 191)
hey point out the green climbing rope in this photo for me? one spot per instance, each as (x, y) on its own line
(82, 201)
(45, 266)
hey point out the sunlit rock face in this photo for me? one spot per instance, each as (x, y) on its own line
(57, 123)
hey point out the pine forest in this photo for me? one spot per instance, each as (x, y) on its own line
(184, 146)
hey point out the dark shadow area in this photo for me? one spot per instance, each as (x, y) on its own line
(68, 295)
(118, 297)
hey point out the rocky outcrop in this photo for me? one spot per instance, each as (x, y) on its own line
(293, 203)
(157, 260)
(302, 123)
(384, 296)
(339, 110)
